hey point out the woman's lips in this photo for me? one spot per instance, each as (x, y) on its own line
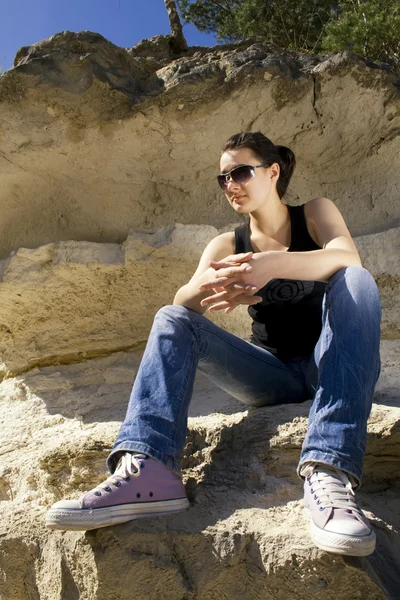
(234, 198)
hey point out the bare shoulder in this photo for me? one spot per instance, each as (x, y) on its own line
(322, 210)
(320, 206)
(324, 221)
(224, 242)
(218, 248)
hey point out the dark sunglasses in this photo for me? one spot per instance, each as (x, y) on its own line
(240, 175)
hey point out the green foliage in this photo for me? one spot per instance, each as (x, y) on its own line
(294, 25)
(370, 28)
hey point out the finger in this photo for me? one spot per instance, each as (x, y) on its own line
(233, 289)
(224, 264)
(229, 293)
(232, 270)
(233, 258)
(215, 298)
(215, 283)
(231, 308)
(242, 256)
(227, 276)
(242, 288)
(226, 283)
(219, 306)
(247, 301)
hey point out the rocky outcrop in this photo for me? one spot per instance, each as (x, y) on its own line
(117, 149)
(96, 140)
(245, 534)
(75, 316)
(75, 300)
(381, 256)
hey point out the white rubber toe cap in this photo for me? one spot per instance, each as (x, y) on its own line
(68, 504)
(347, 527)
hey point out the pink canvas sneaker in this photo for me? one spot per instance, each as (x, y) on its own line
(337, 523)
(140, 487)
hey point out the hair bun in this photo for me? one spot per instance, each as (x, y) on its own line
(288, 161)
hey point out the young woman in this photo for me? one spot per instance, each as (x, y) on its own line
(315, 334)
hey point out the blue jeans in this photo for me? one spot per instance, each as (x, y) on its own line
(340, 375)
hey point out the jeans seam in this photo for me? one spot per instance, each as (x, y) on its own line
(177, 426)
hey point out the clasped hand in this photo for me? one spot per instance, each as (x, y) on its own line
(237, 279)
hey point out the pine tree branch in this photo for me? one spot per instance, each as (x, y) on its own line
(221, 6)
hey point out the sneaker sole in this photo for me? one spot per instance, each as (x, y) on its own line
(348, 545)
(86, 519)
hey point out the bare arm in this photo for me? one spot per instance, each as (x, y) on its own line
(326, 226)
(220, 247)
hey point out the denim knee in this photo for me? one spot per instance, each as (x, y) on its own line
(360, 275)
(178, 317)
(358, 281)
(356, 275)
(175, 312)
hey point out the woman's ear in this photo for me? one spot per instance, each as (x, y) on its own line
(275, 171)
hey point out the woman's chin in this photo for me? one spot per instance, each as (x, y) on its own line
(240, 208)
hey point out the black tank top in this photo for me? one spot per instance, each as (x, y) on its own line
(287, 321)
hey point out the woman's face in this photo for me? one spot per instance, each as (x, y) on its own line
(252, 195)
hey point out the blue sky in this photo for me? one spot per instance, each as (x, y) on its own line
(123, 22)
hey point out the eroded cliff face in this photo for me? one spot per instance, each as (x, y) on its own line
(96, 140)
(71, 301)
(118, 150)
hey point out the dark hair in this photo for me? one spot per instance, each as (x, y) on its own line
(268, 153)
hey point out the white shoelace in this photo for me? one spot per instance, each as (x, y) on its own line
(333, 489)
(124, 470)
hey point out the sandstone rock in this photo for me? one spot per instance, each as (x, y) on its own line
(381, 256)
(65, 303)
(110, 148)
(73, 300)
(97, 140)
(246, 525)
(157, 48)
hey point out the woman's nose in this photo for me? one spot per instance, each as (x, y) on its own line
(231, 185)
